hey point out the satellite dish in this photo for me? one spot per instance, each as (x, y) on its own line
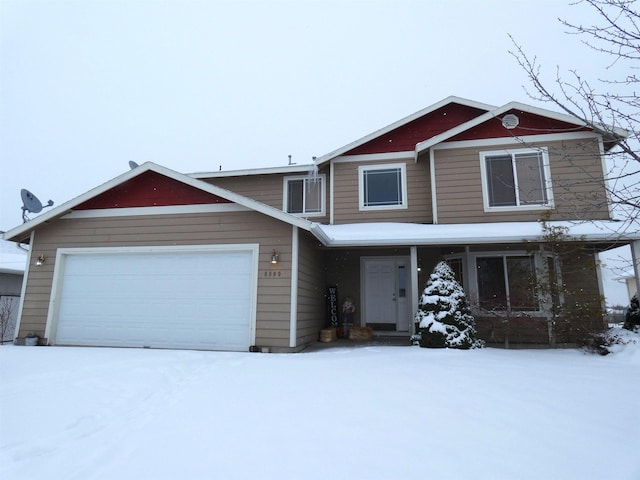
(31, 204)
(133, 164)
(510, 121)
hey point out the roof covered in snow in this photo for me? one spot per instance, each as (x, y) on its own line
(387, 234)
(12, 259)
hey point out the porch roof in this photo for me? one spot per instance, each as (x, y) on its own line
(389, 234)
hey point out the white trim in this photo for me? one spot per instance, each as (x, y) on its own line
(434, 196)
(605, 177)
(23, 289)
(255, 171)
(373, 157)
(635, 257)
(415, 294)
(603, 298)
(331, 191)
(495, 113)
(63, 253)
(149, 166)
(293, 328)
(168, 210)
(513, 152)
(403, 184)
(407, 234)
(471, 278)
(522, 141)
(305, 178)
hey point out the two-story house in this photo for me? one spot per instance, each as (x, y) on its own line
(240, 260)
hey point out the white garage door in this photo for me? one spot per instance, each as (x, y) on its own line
(159, 299)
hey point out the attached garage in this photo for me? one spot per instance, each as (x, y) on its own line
(197, 297)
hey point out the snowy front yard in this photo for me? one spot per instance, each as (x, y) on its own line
(362, 413)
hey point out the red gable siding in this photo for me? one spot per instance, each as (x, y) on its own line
(150, 189)
(405, 137)
(530, 124)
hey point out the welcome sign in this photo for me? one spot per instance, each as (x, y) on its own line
(332, 305)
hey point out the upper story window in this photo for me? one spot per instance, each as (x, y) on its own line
(516, 179)
(382, 186)
(304, 195)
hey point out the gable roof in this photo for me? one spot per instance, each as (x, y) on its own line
(497, 113)
(22, 232)
(449, 129)
(402, 122)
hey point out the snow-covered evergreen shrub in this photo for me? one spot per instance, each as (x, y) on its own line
(444, 316)
(632, 317)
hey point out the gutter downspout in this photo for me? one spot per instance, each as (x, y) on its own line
(293, 329)
(605, 177)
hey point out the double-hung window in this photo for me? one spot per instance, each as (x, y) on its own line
(382, 187)
(516, 179)
(304, 195)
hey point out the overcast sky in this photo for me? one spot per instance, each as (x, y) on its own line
(87, 86)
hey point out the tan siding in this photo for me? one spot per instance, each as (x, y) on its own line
(267, 189)
(346, 196)
(274, 281)
(311, 290)
(576, 173)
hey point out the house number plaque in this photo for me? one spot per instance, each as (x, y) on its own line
(273, 273)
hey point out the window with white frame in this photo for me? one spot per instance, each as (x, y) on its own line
(506, 282)
(516, 179)
(304, 195)
(382, 186)
(501, 281)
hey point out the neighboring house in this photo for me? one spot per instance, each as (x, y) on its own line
(628, 277)
(12, 264)
(240, 260)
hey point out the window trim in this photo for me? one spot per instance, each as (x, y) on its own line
(512, 152)
(403, 185)
(305, 178)
(505, 256)
(469, 266)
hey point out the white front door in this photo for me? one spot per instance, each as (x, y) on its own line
(385, 292)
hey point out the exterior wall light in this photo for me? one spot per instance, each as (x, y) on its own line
(40, 260)
(274, 257)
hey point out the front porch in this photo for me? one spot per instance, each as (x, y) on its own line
(385, 285)
(376, 341)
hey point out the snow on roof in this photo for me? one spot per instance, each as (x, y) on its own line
(379, 234)
(294, 168)
(12, 259)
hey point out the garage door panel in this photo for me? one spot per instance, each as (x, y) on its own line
(171, 300)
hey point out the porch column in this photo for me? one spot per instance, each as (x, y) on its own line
(635, 255)
(414, 286)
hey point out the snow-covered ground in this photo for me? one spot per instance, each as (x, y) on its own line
(357, 413)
